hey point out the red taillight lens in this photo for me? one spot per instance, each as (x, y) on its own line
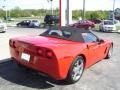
(12, 44)
(45, 53)
(49, 54)
(40, 52)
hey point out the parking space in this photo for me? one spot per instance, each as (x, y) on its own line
(104, 75)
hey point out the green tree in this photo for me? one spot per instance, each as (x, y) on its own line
(2, 13)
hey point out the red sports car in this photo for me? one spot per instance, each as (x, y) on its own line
(62, 53)
(83, 24)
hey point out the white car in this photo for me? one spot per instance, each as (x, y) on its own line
(107, 25)
(3, 27)
(34, 23)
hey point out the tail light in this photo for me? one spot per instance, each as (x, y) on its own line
(40, 52)
(46, 53)
(12, 44)
(49, 54)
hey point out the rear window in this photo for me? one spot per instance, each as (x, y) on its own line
(34, 21)
(59, 33)
(108, 23)
(66, 33)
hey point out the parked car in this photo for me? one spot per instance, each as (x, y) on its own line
(61, 53)
(96, 20)
(107, 26)
(51, 19)
(24, 23)
(86, 24)
(34, 23)
(3, 27)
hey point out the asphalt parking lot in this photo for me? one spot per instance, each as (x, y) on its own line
(104, 75)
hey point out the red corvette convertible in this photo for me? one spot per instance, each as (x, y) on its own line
(61, 54)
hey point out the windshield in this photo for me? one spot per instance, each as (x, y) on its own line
(108, 23)
(34, 21)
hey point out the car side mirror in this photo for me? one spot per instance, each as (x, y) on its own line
(100, 41)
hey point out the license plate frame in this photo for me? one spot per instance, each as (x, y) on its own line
(25, 56)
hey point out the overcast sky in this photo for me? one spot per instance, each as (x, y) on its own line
(76, 4)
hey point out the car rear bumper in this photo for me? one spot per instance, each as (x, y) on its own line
(57, 69)
(2, 30)
(108, 30)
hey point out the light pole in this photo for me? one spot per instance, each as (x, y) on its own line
(83, 17)
(51, 6)
(5, 10)
(62, 6)
(69, 12)
(113, 11)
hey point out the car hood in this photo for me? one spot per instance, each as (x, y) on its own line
(43, 41)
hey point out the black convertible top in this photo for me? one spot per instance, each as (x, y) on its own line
(72, 29)
(66, 33)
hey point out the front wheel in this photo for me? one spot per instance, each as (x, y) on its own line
(76, 70)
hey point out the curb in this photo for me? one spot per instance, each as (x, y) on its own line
(5, 60)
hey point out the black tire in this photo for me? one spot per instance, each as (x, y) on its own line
(100, 29)
(3, 31)
(18, 25)
(110, 51)
(70, 78)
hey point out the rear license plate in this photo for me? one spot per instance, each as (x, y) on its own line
(25, 57)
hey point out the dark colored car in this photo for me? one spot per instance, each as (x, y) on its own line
(24, 23)
(86, 24)
(51, 19)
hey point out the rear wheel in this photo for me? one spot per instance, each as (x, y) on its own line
(110, 52)
(76, 70)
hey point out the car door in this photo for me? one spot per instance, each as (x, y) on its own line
(23, 23)
(93, 46)
(102, 49)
